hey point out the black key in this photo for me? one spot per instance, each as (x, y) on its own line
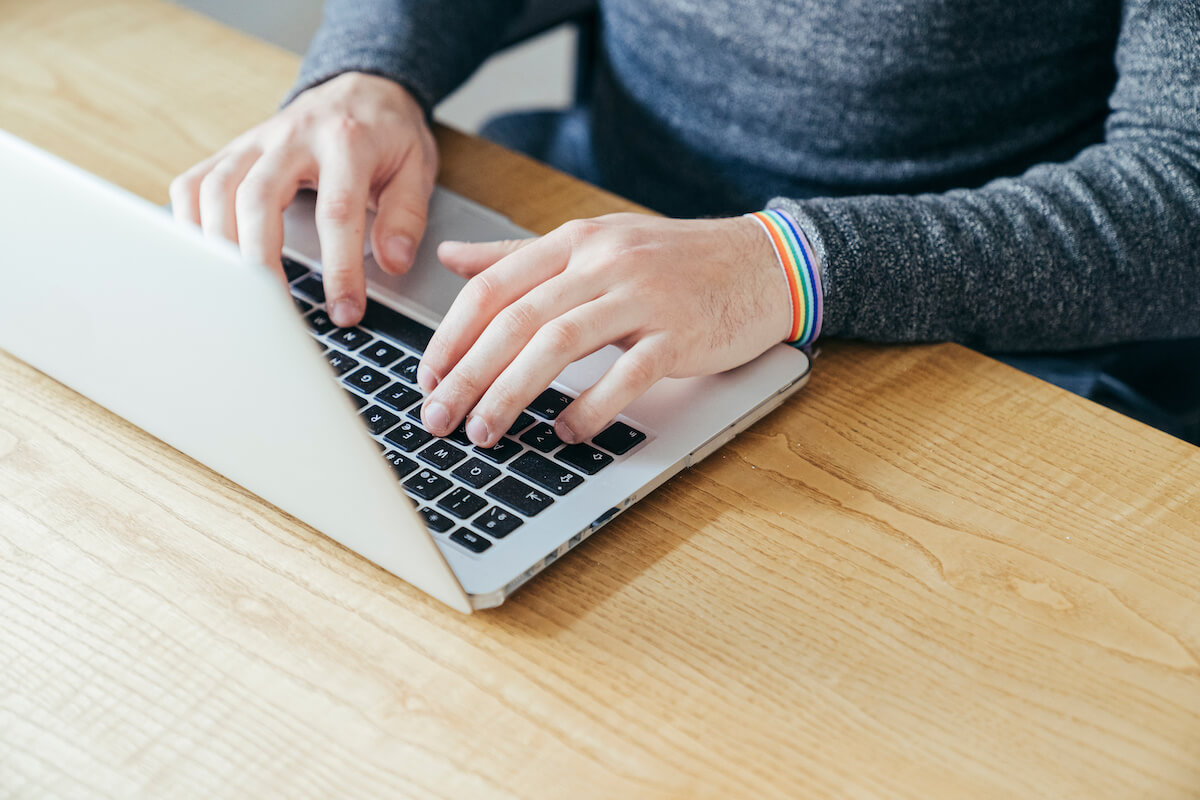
(414, 414)
(497, 522)
(302, 306)
(398, 396)
(520, 496)
(462, 504)
(500, 452)
(459, 435)
(582, 457)
(381, 354)
(401, 464)
(435, 521)
(350, 338)
(312, 288)
(379, 420)
(397, 327)
(427, 484)
(319, 322)
(545, 473)
(340, 362)
(293, 269)
(550, 403)
(522, 422)
(619, 438)
(541, 437)
(408, 437)
(441, 455)
(476, 474)
(367, 380)
(406, 370)
(470, 540)
(359, 402)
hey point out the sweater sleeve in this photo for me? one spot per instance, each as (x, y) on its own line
(1100, 249)
(429, 46)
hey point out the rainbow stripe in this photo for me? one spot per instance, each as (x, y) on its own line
(799, 268)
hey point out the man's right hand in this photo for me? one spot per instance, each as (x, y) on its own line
(361, 141)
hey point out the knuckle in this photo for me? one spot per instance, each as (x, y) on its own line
(503, 397)
(561, 337)
(345, 128)
(254, 193)
(518, 318)
(483, 290)
(643, 368)
(580, 230)
(337, 207)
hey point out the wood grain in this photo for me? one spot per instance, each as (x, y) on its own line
(925, 576)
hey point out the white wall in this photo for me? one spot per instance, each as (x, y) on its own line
(538, 74)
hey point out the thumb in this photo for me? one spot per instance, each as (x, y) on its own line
(468, 259)
(400, 224)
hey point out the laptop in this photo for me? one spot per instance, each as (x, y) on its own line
(174, 332)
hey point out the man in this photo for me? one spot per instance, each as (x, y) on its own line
(1016, 175)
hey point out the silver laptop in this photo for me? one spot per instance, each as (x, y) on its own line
(177, 334)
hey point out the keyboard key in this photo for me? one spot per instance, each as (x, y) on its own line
(459, 435)
(500, 452)
(470, 540)
(401, 464)
(476, 474)
(406, 370)
(312, 288)
(397, 327)
(435, 521)
(340, 362)
(427, 484)
(522, 422)
(462, 503)
(408, 437)
(302, 306)
(545, 473)
(350, 338)
(619, 438)
(380, 354)
(497, 522)
(367, 380)
(441, 455)
(319, 323)
(520, 496)
(378, 420)
(541, 437)
(398, 396)
(293, 269)
(359, 402)
(550, 403)
(584, 458)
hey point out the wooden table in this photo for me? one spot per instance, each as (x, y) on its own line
(926, 576)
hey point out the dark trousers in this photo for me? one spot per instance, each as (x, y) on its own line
(1157, 383)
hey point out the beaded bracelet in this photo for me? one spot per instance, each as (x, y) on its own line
(800, 269)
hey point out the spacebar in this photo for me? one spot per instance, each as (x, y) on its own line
(394, 325)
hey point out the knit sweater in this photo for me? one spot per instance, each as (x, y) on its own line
(1009, 174)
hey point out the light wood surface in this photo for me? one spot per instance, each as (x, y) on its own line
(926, 576)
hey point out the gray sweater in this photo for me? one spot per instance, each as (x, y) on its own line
(1009, 174)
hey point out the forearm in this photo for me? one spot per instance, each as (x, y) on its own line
(429, 46)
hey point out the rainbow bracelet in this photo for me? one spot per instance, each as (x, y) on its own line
(800, 269)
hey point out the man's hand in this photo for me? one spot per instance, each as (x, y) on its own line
(361, 141)
(681, 298)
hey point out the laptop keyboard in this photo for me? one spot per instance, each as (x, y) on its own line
(472, 495)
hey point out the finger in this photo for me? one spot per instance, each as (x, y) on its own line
(342, 189)
(468, 259)
(263, 194)
(185, 190)
(629, 378)
(402, 215)
(484, 297)
(506, 336)
(218, 216)
(579, 332)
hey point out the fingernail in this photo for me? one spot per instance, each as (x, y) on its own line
(400, 250)
(477, 431)
(345, 313)
(426, 379)
(437, 418)
(563, 431)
